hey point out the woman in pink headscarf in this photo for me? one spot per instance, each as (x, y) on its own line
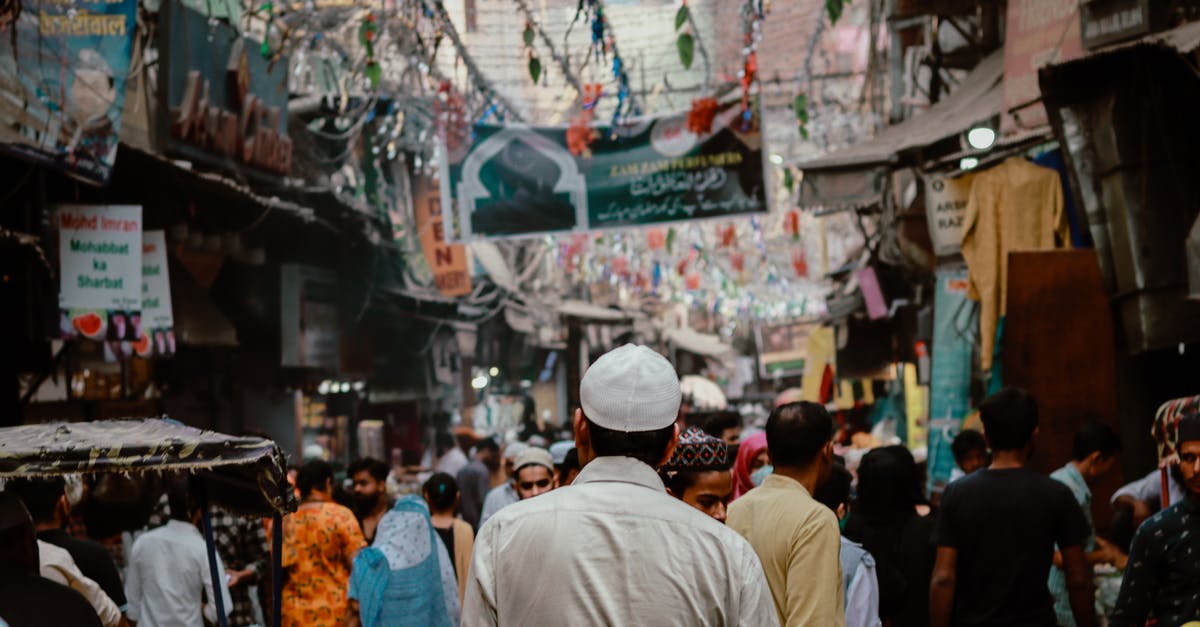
(752, 455)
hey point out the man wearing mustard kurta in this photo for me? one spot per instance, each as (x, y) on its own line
(796, 537)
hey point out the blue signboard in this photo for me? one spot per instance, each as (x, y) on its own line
(62, 83)
(955, 331)
(222, 101)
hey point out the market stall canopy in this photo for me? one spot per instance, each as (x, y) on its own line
(854, 177)
(1183, 39)
(246, 475)
(702, 344)
(593, 313)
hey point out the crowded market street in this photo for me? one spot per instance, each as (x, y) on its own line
(808, 313)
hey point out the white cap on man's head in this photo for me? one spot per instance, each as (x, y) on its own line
(630, 389)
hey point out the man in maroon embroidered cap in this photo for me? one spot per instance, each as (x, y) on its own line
(698, 473)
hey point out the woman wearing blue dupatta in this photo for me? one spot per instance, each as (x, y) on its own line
(405, 577)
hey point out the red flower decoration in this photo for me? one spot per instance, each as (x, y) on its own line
(700, 118)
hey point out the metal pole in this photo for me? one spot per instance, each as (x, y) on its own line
(277, 570)
(218, 598)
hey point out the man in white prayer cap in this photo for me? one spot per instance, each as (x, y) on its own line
(613, 547)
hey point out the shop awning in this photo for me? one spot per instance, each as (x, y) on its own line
(854, 177)
(703, 344)
(1183, 39)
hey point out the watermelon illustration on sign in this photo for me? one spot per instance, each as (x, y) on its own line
(89, 324)
(143, 346)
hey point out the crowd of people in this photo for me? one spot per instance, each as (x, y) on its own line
(647, 516)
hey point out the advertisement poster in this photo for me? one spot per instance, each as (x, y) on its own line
(447, 262)
(158, 320)
(309, 317)
(222, 103)
(955, 332)
(100, 271)
(518, 180)
(63, 70)
(945, 205)
(1039, 33)
(782, 349)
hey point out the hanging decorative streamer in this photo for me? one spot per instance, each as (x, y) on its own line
(581, 134)
(366, 36)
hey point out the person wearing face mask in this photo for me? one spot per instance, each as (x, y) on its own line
(698, 473)
(751, 457)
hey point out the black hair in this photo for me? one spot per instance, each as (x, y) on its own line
(648, 447)
(835, 490)
(966, 441)
(487, 444)
(377, 469)
(444, 441)
(797, 432)
(41, 496)
(570, 462)
(440, 490)
(889, 484)
(313, 474)
(680, 481)
(182, 497)
(1010, 417)
(1095, 437)
(716, 423)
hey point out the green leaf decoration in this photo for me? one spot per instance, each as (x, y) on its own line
(800, 106)
(681, 16)
(374, 73)
(834, 9)
(528, 36)
(687, 50)
(789, 181)
(670, 239)
(535, 69)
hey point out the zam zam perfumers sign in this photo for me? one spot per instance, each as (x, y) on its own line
(100, 271)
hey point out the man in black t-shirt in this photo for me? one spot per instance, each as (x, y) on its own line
(997, 529)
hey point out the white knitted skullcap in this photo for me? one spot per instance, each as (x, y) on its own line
(631, 389)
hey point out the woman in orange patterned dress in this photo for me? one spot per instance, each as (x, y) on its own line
(319, 544)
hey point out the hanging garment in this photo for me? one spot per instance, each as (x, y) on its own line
(1015, 206)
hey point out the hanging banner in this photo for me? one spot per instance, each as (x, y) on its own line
(100, 271)
(955, 331)
(1038, 33)
(945, 206)
(518, 180)
(158, 320)
(221, 103)
(62, 75)
(447, 262)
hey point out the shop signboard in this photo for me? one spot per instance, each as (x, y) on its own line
(1104, 22)
(221, 102)
(447, 262)
(63, 68)
(955, 329)
(519, 180)
(1038, 33)
(309, 317)
(782, 349)
(945, 205)
(100, 271)
(158, 320)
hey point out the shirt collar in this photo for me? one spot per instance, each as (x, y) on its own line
(620, 469)
(181, 526)
(786, 483)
